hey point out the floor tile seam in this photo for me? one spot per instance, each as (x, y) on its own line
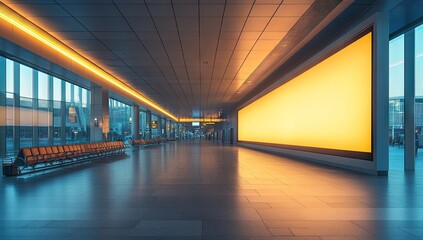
(409, 233)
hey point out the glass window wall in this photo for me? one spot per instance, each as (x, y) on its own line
(155, 132)
(120, 118)
(35, 109)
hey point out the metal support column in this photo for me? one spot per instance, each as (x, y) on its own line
(148, 124)
(135, 128)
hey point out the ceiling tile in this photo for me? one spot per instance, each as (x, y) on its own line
(189, 36)
(132, 54)
(269, 1)
(153, 35)
(59, 24)
(210, 24)
(256, 24)
(165, 24)
(100, 54)
(226, 45)
(92, 10)
(242, 2)
(287, 10)
(249, 35)
(245, 45)
(237, 10)
(73, 35)
(233, 24)
(115, 35)
(307, 2)
(40, 10)
(86, 44)
(142, 24)
(209, 36)
(161, 2)
(134, 10)
(169, 35)
(105, 23)
(208, 46)
(212, 2)
(165, 11)
(261, 10)
(172, 45)
(129, 45)
(240, 54)
(229, 35)
(190, 45)
(214, 10)
(153, 46)
(186, 10)
(188, 24)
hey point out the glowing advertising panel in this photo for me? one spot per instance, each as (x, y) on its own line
(327, 107)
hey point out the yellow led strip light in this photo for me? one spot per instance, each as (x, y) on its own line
(33, 30)
(206, 120)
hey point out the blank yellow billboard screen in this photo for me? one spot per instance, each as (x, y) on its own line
(328, 106)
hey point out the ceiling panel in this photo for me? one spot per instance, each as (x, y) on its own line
(287, 10)
(59, 24)
(134, 10)
(92, 10)
(40, 10)
(98, 24)
(185, 54)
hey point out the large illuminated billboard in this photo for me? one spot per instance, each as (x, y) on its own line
(326, 109)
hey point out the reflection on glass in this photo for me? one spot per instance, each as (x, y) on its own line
(143, 117)
(154, 127)
(419, 92)
(396, 102)
(28, 117)
(43, 86)
(25, 81)
(10, 73)
(119, 118)
(57, 92)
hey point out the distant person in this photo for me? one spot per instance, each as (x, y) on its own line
(417, 142)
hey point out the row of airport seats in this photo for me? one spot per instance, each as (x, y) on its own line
(36, 158)
(144, 142)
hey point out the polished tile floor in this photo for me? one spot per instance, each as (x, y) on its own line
(205, 190)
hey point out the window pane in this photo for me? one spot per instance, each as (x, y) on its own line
(25, 81)
(84, 97)
(57, 89)
(10, 123)
(10, 73)
(45, 121)
(42, 86)
(396, 102)
(76, 94)
(120, 124)
(68, 96)
(25, 123)
(419, 90)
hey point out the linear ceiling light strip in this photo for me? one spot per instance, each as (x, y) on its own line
(206, 120)
(33, 30)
